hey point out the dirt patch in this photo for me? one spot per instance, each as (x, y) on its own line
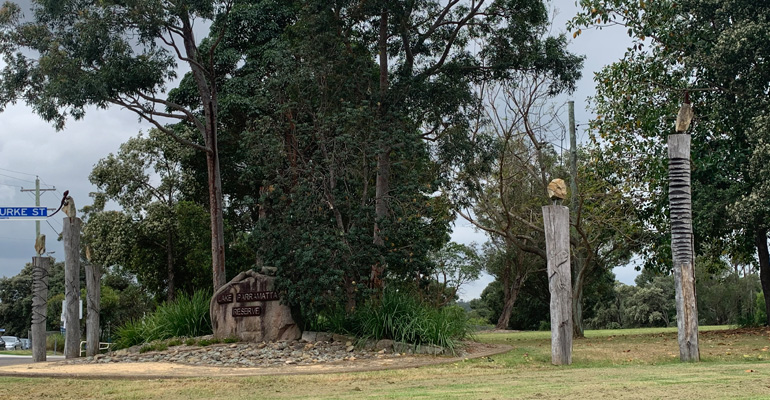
(168, 370)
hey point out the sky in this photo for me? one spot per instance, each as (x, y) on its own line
(31, 147)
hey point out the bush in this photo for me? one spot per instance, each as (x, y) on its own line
(188, 316)
(403, 317)
(760, 314)
(55, 339)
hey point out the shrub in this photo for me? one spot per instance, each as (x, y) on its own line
(188, 316)
(760, 315)
(56, 339)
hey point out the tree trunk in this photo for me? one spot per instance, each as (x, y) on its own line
(511, 293)
(764, 269)
(217, 218)
(577, 297)
(170, 295)
(42, 267)
(556, 221)
(382, 184)
(208, 96)
(71, 239)
(682, 246)
(93, 304)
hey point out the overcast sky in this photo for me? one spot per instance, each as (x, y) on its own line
(30, 147)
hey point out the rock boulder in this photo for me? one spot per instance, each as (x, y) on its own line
(249, 308)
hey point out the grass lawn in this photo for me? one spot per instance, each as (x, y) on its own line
(610, 364)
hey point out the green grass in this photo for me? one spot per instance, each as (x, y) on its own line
(612, 364)
(16, 352)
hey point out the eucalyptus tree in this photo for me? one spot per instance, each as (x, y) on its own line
(72, 54)
(507, 195)
(146, 179)
(714, 51)
(507, 199)
(455, 265)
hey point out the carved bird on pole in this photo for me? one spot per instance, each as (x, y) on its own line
(685, 115)
(63, 200)
(40, 245)
(69, 207)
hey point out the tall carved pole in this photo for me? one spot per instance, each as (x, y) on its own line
(93, 302)
(556, 221)
(41, 268)
(71, 238)
(682, 245)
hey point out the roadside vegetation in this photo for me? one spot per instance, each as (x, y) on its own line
(187, 316)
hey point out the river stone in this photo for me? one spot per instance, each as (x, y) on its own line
(248, 308)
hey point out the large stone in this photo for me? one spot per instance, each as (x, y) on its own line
(248, 308)
(557, 189)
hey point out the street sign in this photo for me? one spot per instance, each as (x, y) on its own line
(29, 213)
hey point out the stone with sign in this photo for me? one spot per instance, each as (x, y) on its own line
(249, 308)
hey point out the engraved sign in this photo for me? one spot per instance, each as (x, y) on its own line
(254, 311)
(248, 308)
(225, 298)
(256, 296)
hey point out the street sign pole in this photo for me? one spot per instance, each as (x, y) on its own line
(37, 191)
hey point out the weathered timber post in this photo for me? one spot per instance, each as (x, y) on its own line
(93, 295)
(71, 238)
(556, 221)
(41, 268)
(682, 246)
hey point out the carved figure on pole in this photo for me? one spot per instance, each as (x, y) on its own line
(40, 245)
(69, 207)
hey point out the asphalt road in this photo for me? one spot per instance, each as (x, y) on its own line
(6, 360)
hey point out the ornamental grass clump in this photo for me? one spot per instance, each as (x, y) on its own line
(403, 317)
(187, 316)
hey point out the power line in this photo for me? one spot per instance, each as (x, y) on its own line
(6, 184)
(18, 179)
(16, 172)
(54, 229)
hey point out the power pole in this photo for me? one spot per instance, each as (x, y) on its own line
(37, 191)
(572, 155)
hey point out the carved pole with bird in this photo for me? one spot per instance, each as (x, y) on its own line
(682, 245)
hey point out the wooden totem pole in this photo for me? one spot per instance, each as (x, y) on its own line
(40, 271)
(556, 221)
(682, 245)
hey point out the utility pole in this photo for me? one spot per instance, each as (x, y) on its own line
(37, 191)
(572, 156)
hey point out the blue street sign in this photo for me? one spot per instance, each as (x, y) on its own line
(23, 213)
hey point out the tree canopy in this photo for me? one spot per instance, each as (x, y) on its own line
(714, 55)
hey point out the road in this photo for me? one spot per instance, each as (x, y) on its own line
(6, 360)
